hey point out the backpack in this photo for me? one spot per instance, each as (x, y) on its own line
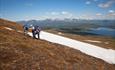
(37, 29)
(26, 28)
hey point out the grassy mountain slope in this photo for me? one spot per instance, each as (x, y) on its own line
(20, 52)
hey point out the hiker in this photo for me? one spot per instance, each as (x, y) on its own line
(36, 30)
(25, 29)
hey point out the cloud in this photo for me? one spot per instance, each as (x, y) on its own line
(54, 13)
(110, 16)
(111, 13)
(85, 16)
(64, 12)
(88, 2)
(106, 4)
(60, 14)
(98, 14)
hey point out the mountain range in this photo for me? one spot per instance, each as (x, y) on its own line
(70, 23)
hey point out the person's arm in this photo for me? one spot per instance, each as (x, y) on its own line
(23, 26)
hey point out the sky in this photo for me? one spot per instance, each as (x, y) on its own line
(17, 10)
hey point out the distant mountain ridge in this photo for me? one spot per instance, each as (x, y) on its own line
(71, 23)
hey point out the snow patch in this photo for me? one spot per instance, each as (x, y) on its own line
(106, 42)
(107, 55)
(8, 28)
(60, 33)
(20, 31)
(93, 41)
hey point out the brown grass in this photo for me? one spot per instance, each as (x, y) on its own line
(20, 52)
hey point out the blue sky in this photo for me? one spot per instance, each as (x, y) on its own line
(57, 9)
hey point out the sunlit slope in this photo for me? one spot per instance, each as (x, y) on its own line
(19, 52)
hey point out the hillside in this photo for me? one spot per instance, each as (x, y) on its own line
(20, 52)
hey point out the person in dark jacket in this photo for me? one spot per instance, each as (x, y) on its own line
(36, 30)
(25, 27)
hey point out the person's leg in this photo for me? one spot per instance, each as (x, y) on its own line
(38, 35)
(33, 34)
(26, 32)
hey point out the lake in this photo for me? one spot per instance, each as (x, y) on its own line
(102, 31)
